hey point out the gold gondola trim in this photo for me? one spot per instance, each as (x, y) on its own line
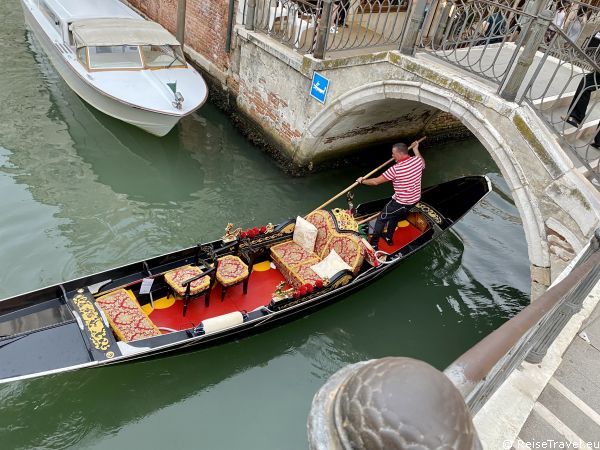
(93, 322)
(345, 221)
(430, 212)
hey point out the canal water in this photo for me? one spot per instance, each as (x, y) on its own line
(81, 192)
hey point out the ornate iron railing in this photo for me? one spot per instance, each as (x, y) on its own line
(532, 56)
(291, 22)
(562, 88)
(344, 24)
(483, 37)
(485, 366)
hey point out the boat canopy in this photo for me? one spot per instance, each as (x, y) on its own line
(120, 31)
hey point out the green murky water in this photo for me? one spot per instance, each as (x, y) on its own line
(81, 192)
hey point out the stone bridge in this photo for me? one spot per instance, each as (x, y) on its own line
(259, 59)
(386, 95)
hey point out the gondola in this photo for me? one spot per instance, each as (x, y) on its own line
(202, 295)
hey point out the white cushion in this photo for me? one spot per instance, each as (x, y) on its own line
(305, 234)
(222, 322)
(331, 265)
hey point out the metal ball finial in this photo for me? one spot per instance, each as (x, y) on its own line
(391, 403)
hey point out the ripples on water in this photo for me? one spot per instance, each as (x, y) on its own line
(82, 192)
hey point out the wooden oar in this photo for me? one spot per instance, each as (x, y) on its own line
(368, 219)
(353, 185)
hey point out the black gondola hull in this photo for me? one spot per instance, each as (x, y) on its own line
(86, 341)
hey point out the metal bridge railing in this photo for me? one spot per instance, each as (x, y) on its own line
(321, 26)
(562, 90)
(385, 403)
(483, 37)
(549, 59)
(528, 335)
(291, 22)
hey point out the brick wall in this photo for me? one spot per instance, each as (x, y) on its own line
(161, 11)
(205, 25)
(443, 125)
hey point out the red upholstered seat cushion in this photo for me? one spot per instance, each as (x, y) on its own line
(176, 277)
(349, 247)
(126, 318)
(294, 262)
(231, 270)
(304, 274)
(325, 225)
(291, 254)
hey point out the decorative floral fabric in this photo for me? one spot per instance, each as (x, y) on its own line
(290, 253)
(297, 275)
(349, 248)
(295, 263)
(369, 253)
(287, 273)
(304, 275)
(305, 234)
(126, 318)
(292, 269)
(331, 265)
(231, 270)
(323, 221)
(176, 277)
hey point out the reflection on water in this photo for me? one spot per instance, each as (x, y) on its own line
(83, 192)
(132, 162)
(109, 399)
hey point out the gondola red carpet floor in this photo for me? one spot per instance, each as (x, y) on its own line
(168, 312)
(263, 281)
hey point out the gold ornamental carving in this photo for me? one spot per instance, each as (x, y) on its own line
(345, 221)
(288, 228)
(430, 212)
(93, 323)
(342, 281)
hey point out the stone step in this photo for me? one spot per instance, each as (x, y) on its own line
(577, 138)
(561, 100)
(586, 131)
(554, 101)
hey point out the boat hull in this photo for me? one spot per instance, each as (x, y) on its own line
(154, 122)
(97, 346)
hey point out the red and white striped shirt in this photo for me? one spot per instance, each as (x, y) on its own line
(406, 175)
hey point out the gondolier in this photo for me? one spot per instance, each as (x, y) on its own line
(406, 178)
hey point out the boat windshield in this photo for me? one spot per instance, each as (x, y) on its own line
(156, 56)
(115, 57)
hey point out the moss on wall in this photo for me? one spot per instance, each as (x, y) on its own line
(439, 79)
(535, 144)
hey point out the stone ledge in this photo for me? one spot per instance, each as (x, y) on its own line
(501, 418)
(273, 48)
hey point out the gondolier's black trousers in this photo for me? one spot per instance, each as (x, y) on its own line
(391, 214)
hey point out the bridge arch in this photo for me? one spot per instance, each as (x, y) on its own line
(445, 100)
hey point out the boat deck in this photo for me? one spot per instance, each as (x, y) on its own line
(168, 312)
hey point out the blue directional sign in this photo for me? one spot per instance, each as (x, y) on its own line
(319, 87)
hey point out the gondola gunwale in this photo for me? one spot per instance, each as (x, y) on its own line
(271, 318)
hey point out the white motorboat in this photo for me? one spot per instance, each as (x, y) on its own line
(118, 62)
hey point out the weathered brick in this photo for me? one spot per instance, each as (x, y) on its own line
(205, 24)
